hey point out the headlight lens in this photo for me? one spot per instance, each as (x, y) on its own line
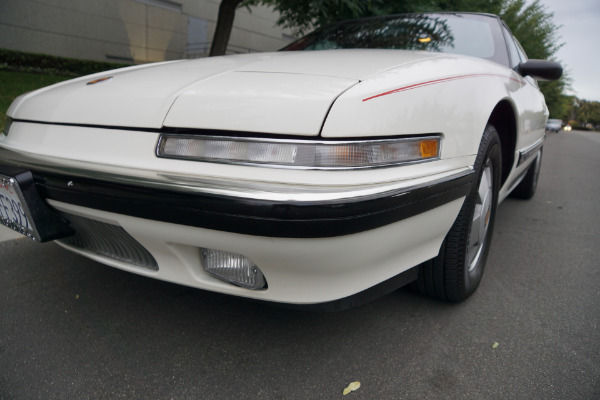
(299, 153)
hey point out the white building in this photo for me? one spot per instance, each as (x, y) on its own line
(131, 31)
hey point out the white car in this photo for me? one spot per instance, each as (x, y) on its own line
(304, 177)
(554, 125)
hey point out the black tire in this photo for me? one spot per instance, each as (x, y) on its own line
(526, 189)
(456, 272)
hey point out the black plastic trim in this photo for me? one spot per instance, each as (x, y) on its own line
(269, 218)
(526, 154)
(112, 127)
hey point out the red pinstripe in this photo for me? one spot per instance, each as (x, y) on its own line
(436, 81)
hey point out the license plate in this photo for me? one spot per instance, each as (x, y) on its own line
(14, 212)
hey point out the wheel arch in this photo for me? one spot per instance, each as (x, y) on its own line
(503, 118)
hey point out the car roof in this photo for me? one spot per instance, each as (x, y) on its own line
(391, 16)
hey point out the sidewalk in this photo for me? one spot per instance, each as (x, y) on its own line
(8, 234)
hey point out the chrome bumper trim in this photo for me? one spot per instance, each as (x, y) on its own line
(276, 192)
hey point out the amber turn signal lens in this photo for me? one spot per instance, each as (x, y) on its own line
(429, 148)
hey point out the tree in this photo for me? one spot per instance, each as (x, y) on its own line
(533, 26)
(558, 103)
(585, 112)
(224, 24)
(487, 6)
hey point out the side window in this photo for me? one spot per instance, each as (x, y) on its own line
(519, 57)
(521, 51)
(513, 50)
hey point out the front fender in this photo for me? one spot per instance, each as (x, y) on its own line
(451, 95)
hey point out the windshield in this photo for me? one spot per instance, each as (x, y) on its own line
(469, 34)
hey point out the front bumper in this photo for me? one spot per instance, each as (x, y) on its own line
(314, 243)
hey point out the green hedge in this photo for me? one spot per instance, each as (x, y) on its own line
(11, 60)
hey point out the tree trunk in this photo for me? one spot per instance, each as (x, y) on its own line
(224, 25)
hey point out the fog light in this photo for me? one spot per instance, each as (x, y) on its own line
(233, 268)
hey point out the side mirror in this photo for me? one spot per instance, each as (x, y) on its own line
(541, 69)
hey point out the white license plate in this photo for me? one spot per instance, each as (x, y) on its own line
(14, 212)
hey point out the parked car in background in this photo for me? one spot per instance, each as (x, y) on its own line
(366, 155)
(554, 125)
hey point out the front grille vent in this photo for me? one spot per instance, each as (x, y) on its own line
(108, 240)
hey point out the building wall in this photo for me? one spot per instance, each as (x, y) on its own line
(131, 30)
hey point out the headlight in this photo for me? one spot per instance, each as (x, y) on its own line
(307, 154)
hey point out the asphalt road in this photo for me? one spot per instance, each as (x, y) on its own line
(74, 329)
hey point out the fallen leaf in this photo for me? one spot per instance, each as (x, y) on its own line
(495, 345)
(351, 387)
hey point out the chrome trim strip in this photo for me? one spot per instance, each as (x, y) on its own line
(302, 141)
(276, 192)
(297, 193)
(526, 153)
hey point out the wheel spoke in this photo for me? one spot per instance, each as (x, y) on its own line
(474, 240)
(483, 187)
(480, 221)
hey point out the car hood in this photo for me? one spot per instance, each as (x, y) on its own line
(285, 92)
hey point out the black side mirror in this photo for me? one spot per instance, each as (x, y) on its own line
(541, 69)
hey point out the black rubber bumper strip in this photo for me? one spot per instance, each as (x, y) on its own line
(290, 219)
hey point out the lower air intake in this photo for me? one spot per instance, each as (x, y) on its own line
(107, 240)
